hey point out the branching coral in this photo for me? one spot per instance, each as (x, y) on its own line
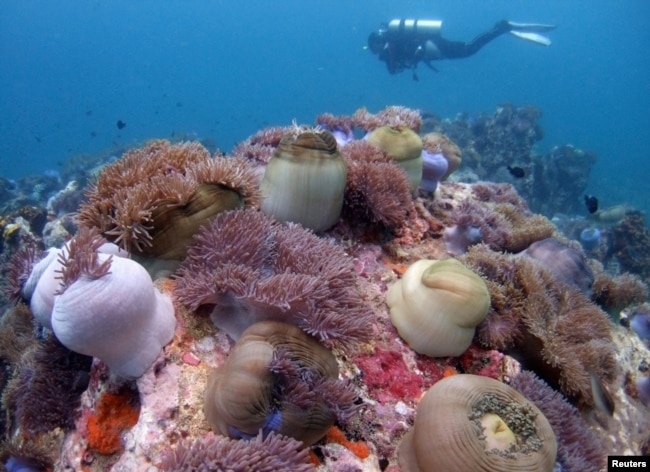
(245, 267)
(377, 190)
(578, 447)
(154, 199)
(271, 453)
(468, 422)
(554, 329)
(277, 378)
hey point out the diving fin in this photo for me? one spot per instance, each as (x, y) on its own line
(534, 37)
(531, 26)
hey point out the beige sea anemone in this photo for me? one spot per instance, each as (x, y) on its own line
(473, 423)
(437, 305)
(403, 146)
(437, 142)
(304, 181)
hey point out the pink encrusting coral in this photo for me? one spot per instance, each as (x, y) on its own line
(245, 267)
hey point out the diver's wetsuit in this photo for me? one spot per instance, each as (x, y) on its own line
(460, 49)
(400, 49)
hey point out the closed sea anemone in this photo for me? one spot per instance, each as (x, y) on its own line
(245, 267)
(439, 143)
(434, 168)
(437, 305)
(468, 422)
(153, 200)
(263, 453)
(277, 378)
(108, 307)
(304, 180)
(404, 147)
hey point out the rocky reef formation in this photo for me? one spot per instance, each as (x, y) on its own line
(291, 329)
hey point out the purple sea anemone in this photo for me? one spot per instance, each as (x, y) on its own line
(434, 169)
(244, 267)
(579, 448)
(567, 264)
(273, 453)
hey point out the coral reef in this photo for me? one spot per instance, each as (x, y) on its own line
(552, 183)
(244, 267)
(630, 244)
(277, 378)
(468, 422)
(437, 305)
(304, 180)
(154, 199)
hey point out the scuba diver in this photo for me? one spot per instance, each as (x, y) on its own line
(402, 44)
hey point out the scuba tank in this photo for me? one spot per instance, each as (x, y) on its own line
(414, 28)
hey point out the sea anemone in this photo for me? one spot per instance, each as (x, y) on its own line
(245, 267)
(434, 169)
(46, 388)
(304, 180)
(25, 457)
(395, 116)
(567, 264)
(640, 321)
(618, 292)
(435, 143)
(377, 190)
(468, 422)
(107, 307)
(437, 305)
(153, 200)
(503, 226)
(578, 447)
(590, 238)
(277, 378)
(270, 453)
(551, 327)
(404, 147)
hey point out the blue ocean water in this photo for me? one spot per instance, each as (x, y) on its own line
(224, 69)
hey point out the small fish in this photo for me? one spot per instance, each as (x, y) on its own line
(591, 203)
(120, 124)
(517, 172)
